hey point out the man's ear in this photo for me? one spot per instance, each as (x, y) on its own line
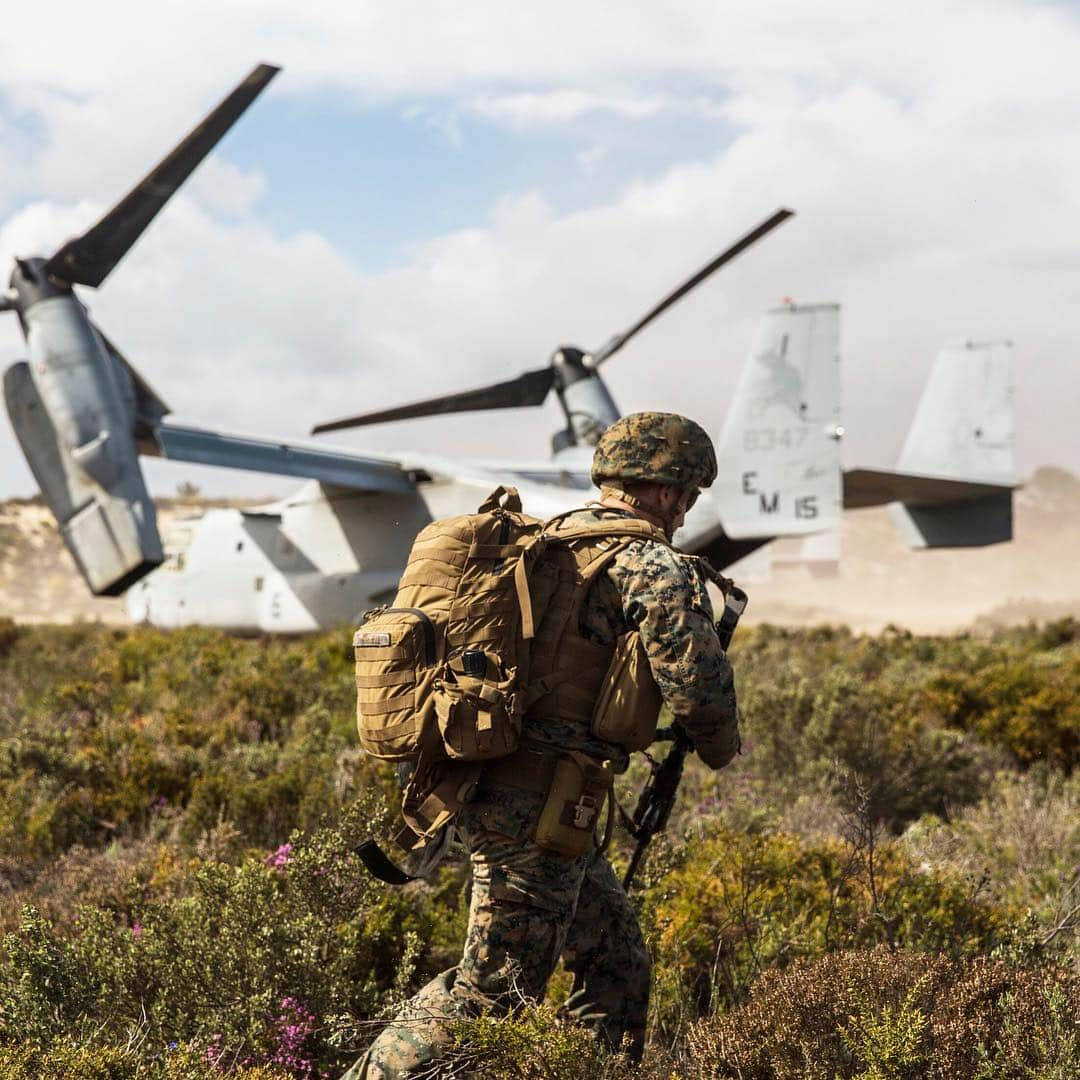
(668, 496)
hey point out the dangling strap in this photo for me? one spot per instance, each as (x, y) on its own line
(611, 804)
(529, 553)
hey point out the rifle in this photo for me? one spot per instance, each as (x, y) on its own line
(658, 796)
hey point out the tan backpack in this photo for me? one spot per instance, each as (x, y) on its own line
(443, 674)
(441, 669)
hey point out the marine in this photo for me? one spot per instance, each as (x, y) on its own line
(532, 904)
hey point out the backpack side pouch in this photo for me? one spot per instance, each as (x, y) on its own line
(629, 703)
(396, 652)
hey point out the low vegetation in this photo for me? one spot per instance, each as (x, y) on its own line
(884, 885)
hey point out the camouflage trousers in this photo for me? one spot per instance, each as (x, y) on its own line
(529, 907)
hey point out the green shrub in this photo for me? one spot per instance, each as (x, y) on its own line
(304, 934)
(740, 905)
(534, 1042)
(146, 778)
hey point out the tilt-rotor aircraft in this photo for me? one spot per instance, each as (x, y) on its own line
(83, 417)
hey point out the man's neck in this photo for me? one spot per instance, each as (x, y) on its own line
(613, 502)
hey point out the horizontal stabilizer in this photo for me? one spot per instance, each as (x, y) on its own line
(262, 455)
(876, 487)
(973, 523)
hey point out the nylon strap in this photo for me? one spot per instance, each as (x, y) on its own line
(380, 865)
(495, 500)
(529, 553)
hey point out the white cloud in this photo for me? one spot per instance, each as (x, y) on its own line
(559, 107)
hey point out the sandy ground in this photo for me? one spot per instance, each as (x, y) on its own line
(38, 579)
(876, 581)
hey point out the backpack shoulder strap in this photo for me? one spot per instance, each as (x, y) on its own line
(632, 528)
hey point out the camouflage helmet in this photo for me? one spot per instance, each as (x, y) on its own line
(663, 447)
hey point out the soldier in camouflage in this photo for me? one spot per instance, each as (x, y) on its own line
(531, 906)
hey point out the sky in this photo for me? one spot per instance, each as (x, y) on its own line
(435, 195)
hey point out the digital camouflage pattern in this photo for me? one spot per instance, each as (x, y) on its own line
(661, 593)
(530, 906)
(664, 447)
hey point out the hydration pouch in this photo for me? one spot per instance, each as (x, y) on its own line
(575, 800)
(629, 703)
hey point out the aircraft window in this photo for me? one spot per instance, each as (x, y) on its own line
(239, 545)
(180, 561)
(258, 584)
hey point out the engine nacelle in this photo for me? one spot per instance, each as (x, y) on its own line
(70, 408)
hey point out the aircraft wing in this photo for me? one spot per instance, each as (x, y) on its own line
(346, 470)
(876, 487)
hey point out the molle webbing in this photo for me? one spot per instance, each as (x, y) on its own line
(566, 670)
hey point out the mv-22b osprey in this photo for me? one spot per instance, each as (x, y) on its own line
(83, 416)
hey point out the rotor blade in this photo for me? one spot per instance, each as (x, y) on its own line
(528, 389)
(88, 259)
(611, 347)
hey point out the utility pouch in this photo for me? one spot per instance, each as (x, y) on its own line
(629, 704)
(479, 715)
(575, 800)
(396, 651)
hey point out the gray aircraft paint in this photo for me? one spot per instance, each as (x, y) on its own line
(963, 430)
(316, 559)
(79, 411)
(325, 554)
(779, 451)
(83, 415)
(963, 426)
(71, 420)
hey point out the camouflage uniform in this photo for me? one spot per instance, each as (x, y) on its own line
(530, 906)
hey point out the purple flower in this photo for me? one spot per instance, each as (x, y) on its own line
(293, 1026)
(136, 929)
(214, 1050)
(279, 860)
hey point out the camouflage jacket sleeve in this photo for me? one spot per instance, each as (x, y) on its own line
(663, 594)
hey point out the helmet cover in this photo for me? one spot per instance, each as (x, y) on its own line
(662, 447)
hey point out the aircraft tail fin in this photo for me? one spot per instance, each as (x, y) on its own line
(953, 483)
(963, 430)
(963, 426)
(779, 451)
